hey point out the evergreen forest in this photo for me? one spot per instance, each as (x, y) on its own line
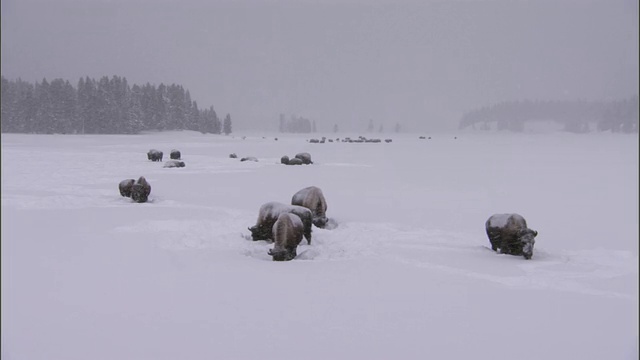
(104, 106)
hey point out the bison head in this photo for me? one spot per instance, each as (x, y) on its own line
(320, 222)
(283, 255)
(527, 239)
(259, 232)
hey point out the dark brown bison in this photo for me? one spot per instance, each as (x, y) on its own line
(154, 155)
(140, 190)
(312, 198)
(125, 187)
(284, 160)
(287, 235)
(269, 213)
(175, 154)
(509, 234)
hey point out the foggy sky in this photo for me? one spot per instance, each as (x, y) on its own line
(419, 63)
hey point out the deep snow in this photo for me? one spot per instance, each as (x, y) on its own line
(407, 274)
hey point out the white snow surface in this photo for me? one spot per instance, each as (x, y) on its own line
(407, 273)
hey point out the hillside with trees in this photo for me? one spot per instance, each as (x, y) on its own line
(572, 116)
(105, 106)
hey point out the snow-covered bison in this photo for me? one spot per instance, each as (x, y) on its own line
(173, 164)
(295, 161)
(175, 154)
(269, 213)
(305, 157)
(154, 155)
(312, 198)
(287, 235)
(509, 234)
(125, 187)
(140, 190)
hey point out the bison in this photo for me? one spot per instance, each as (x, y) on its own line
(154, 155)
(125, 187)
(174, 164)
(175, 154)
(312, 198)
(140, 190)
(249, 158)
(284, 160)
(305, 157)
(509, 234)
(287, 235)
(294, 161)
(269, 213)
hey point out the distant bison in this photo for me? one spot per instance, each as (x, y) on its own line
(287, 235)
(154, 155)
(312, 198)
(284, 160)
(233, 156)
(305, 157)
(509, 234)
(249, 158)
(140, 190)
(269, 213)
(125, 187)
(174, 164)
(175, 154)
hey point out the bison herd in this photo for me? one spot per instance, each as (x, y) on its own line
(287, 224)
(139, 190)
(174, 156)
(299, 159)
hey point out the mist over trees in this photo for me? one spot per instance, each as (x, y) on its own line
(573, 116)
(104, 106)
(296, 124)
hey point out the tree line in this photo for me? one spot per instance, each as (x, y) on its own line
(296, 124)
(574, 116)
(104, 106)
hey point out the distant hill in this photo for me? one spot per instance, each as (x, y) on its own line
(572, 116)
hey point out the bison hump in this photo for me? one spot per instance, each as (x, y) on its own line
(511, 220)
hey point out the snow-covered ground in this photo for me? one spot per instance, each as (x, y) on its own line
(407, 273)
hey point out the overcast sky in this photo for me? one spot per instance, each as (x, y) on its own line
(420, 63)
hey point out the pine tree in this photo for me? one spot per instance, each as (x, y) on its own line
(134, 115)
(227, 125)
(45, 114)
